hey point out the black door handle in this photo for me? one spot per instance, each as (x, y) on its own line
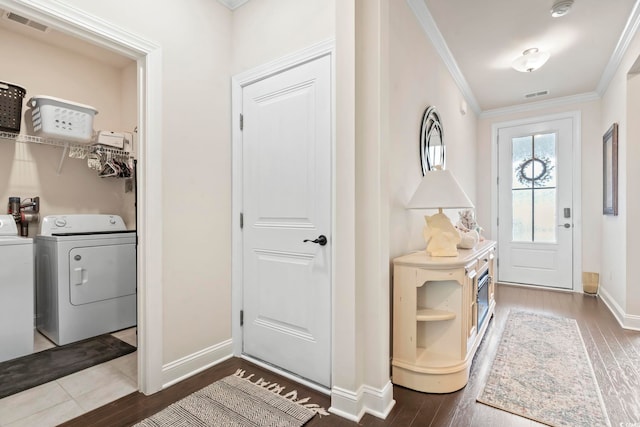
(321, 240)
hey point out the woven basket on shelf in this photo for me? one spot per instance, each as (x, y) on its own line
(11, 97)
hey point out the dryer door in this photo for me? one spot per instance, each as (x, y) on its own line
(98, 273)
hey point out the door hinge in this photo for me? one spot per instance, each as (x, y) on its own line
(241, 220)
(241, 317)
(241, 121)
(498, 222)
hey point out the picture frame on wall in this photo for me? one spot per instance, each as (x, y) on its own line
(610, 171)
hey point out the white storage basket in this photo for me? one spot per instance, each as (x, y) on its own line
(58, 118)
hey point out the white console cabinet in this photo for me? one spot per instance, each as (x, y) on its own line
(436, 310)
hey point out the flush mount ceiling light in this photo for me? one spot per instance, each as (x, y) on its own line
(531, 60)
(561, 8)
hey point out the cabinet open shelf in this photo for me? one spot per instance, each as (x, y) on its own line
(433, 315)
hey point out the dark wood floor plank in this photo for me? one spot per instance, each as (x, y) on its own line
(408, 404)
(614, 354)
(615, 409)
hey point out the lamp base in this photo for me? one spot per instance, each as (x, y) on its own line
(441, 236)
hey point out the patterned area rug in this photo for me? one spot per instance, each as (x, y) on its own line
(542, 372)
(236, 401)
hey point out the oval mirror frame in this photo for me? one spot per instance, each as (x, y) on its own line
(431, 140)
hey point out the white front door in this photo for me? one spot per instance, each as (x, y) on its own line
(286, 203)
(535, 211)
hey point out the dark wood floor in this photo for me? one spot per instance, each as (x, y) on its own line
(614, 353)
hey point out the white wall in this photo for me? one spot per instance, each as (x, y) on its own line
(195, 39)
(28, 170)
(372, 197)
(633, 195)
(591, 151)
(269, 29)
(419, 79)
(613, 277)
(620, 233)
(345, 369)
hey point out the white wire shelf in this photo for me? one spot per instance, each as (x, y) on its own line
(89, 147)
(78, 150)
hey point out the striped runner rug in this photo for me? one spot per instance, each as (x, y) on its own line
(237, 401)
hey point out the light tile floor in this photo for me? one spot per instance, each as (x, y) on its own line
(58, 401)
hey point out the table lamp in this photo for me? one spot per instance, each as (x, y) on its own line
(440, 190)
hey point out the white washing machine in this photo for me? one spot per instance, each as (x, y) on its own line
(16, 291)
(85, 277)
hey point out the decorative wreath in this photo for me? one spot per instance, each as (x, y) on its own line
(541, 177)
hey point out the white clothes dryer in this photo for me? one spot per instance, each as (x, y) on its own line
(85, 277)
(16, 291)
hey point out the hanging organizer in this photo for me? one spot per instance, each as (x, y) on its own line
(79, 150)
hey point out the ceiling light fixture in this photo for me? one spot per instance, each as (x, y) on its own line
(561, 8)
(531, 60)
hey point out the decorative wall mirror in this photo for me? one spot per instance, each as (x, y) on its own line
(431, 141)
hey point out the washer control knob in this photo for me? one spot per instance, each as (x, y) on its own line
(77, 257)
(112, 221)
(60, 222)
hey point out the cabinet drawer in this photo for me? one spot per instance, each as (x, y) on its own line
(483, 263)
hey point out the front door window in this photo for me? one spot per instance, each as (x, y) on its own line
(533, 188)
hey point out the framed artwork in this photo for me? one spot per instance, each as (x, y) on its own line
(610, 171)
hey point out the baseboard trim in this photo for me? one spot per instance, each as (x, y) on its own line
(539, 287)
(626, 321)
(367, 400)
(195, 363)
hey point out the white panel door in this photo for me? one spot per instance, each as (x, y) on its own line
(535, 224)
(286, 200)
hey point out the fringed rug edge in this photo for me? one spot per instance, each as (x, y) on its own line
(279, 389)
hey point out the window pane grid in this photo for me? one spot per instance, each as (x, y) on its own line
(533, 188)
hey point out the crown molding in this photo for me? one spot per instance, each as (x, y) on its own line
(233, 4)
(540, 105)
(621, 48)
(430, 28)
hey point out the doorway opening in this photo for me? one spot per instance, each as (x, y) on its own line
(146, 54)
(536, 203)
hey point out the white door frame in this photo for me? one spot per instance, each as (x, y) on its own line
(148, 55)
(238, 82)
(576, 177)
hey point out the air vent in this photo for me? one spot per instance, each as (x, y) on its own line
(535, 94)
(10, 16)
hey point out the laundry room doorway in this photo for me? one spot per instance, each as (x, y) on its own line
(146, 55)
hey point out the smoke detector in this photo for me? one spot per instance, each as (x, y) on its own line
(561, 8)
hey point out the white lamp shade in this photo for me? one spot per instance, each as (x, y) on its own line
(439, 190)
